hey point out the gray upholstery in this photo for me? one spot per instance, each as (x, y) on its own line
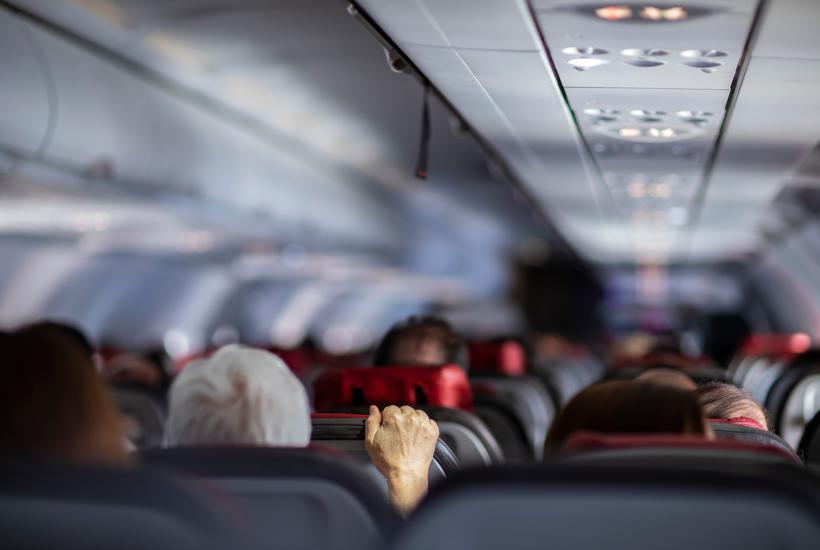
(50, 506)
(564, 508)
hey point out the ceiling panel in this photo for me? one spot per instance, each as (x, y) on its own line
(696, 53)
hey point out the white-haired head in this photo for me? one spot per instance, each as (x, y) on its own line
(238, 396)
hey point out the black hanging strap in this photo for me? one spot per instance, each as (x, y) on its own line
(424, 146)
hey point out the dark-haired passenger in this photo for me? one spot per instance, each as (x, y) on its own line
(422, 341)
(53, 404)
(629, 407)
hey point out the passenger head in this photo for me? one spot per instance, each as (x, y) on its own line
(721, 401)
(628, 407)
(422, 341)
(238, 396)
(53, 405)
(667, 377)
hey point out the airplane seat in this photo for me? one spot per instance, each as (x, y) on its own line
(147, 412)
(725, 429)
(294, 499)
(49, 505)
(345, 432)
(810, 443)
(668, 449)
(571, 506)
(793, 400)
(498, 372)
(442, 392)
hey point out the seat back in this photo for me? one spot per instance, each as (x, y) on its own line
(49, 505)
(760, 507)
(793, 400)
(505, 357)
(345, 432)
(810, 442)
(146, 411)
(727, 430)
(294, 499)
(445, 386)
(528, 400)
(672, 449)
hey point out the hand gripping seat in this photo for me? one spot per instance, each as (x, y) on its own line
(293, 499)
(345, 432)
(442, 392)
(578, 507)
(53, 505)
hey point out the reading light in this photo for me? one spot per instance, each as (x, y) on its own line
(653, 13)
(636, 189)
(629, 132)
(614, 13)
(659, 191)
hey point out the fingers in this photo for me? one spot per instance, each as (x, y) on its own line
(421, 414)
(408, 410)
(434, 424)
(372, 424)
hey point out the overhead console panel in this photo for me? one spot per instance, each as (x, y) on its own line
(609, 114)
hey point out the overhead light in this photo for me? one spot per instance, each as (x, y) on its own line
(584, 63)
(665, 133)
(636, 189)
(653, 13)
(614, 13)
(629, 132)
(659, 191)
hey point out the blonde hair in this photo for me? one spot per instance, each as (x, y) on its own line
(238, 396)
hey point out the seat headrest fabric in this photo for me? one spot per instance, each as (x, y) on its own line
(445, 386)
(55, 505)
(589, 442)
(744, 421)
(507, 357)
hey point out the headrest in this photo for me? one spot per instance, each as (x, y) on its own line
(586, 442)
(776, 344)
(744, 421)
(506, 357)
(445, 386)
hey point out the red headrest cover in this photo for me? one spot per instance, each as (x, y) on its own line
(445, 386)
(582, 442)
(505, 357)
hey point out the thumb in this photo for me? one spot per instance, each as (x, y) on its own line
(373, 423)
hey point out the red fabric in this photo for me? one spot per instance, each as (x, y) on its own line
(445, 386)
(741, 421)
(507, 357)
(776, 344)
(583, 442)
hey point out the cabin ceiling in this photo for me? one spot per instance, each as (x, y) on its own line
(648, 132)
